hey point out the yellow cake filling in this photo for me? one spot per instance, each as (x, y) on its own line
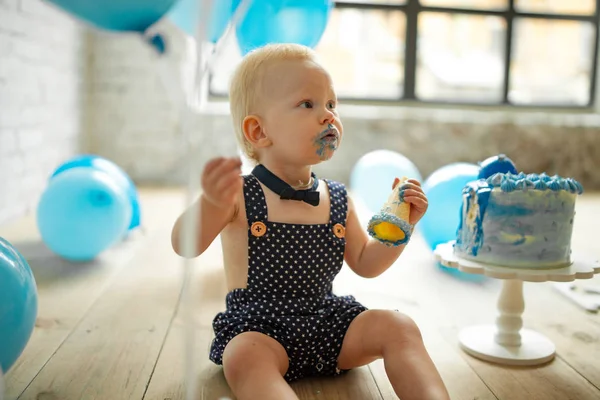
(388, 231)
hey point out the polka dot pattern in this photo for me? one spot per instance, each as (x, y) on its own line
(291, 268)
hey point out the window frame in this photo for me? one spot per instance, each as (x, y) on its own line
(412, 9)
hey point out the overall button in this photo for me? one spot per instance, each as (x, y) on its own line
(339, 230)
(258, 229)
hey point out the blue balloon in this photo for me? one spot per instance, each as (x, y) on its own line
(283, 21)
(496, 164)
(18, 304)
(81, 213)
(373, 174)
(117, 15)
(443, 189)
(117, 174)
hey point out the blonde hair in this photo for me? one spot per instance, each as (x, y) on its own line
(246, 83)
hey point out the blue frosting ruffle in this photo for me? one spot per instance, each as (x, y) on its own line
(508, 182)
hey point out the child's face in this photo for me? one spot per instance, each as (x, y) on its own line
(300, 113)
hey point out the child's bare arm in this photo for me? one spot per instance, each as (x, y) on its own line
(368, 257)
(217, 205)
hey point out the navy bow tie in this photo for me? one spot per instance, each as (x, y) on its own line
(307, 196)
(284, 190)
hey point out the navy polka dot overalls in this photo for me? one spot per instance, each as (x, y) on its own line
(289, 296)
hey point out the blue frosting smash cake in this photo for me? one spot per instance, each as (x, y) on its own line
(515, 219)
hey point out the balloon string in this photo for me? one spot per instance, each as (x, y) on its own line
(1, 385)
(190, 234)
(184, 101)
(238, 15)
(189, 238)
(178, 97)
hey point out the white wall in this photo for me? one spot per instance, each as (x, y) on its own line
(41, 103)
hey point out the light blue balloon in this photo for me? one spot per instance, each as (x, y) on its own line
(18, 304)
(221, 14)
(443, 189)
(373, 175)
(186, 15)
(283, 21)
(116, 173)
(117, 15)
(81, 213)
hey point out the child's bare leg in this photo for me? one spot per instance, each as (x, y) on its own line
(396, 338)
(254, 365)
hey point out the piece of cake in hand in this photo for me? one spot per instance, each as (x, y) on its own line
(391, 225)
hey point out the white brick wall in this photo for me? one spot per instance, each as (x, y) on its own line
(133, 120)
(41, 103)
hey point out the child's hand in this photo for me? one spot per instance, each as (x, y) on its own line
(221, 181)
(413, 194)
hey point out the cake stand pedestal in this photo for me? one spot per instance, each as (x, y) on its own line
(507, 342)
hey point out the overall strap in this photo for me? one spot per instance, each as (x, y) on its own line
(339, 202)
(254, 197)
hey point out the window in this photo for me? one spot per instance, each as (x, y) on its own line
(512, 52)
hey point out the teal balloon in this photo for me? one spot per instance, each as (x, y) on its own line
(117, 15)
(81, 213)
(283, 21)
(372, 176)
(115, 172)
(18, 304)
(443, 189)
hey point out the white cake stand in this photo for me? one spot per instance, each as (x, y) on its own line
(507, 342)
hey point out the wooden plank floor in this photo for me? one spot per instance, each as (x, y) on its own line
(111, 329)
